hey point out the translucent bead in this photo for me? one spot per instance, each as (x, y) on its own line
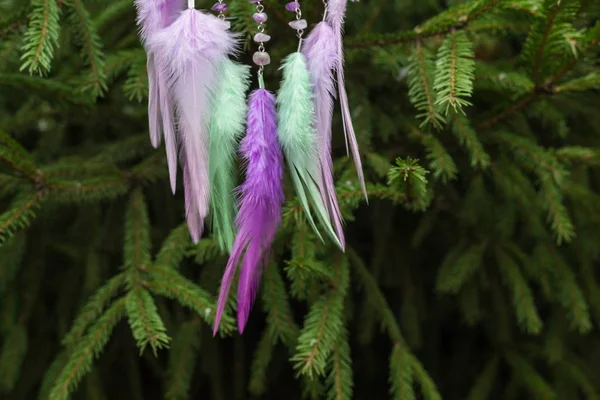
(219, 7)
(298, 24)
(261, 58)
(261, 38)
(260, 17)
(292, 6)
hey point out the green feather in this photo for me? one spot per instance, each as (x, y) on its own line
(227, 125)
(298, 138)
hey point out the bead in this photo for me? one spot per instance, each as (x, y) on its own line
(298, 24)
(261, 58)
(260, 17)
(219, 7)
(292, 6)
(261, 37)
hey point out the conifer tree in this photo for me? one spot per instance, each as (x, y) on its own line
(471, 274)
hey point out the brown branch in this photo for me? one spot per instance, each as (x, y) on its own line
(418, 34)
(538, 91)
(509, 111)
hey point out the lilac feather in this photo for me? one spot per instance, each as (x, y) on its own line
(322, 58)
(190, 50)
(335, 18)
(261, 198)
(154, 15)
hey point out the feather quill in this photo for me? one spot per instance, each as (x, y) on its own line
(227, 124)
(261, 198)
(335, 17)
(190, 50)
(152, 16)
(299, 140)
(322, 58)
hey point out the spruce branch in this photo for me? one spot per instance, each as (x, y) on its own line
(92, 52)
(136, 85)
(484, 384)
(16, 157)
(280, 319)
(340, 379)
(41, 37)
(535, 383)
(145, 322)
(428, 387)
(182, 360)
(455, 71)
(12, 356)
(323, 325)
(42, 87)
(523, 299)
(80, 358)
(456, 18)
(401, 374)
(174, 248)
(137, 236)
(410, 178)
(260, 364)
(462, 129)
(19, 214)
(420, 80)
(11, 254)
(459, 266)
(169, 283)
(93, 309)
(375, 298)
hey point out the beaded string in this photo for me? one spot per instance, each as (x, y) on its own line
(221, 7)
(299, 24)
(260, 57)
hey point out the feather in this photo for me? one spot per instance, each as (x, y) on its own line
(190, 50)
(227, 124)
(261, 198)
(299, 140)
(335, 17)
(321, 57)
(154, 15)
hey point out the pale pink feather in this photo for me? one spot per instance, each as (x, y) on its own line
(322, 59)
(190, 50)
(152, 16)
(335, 17)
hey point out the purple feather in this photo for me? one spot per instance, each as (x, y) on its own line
(322, 58)
(261, 198)
(154, 15)
(335, 17)
(190, 49)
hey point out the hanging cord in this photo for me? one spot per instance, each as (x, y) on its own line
(261, 57)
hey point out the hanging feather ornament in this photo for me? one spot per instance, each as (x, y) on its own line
(191, 49)
(298, 136)
(226, 127)
(322, 58)
(260, 205)
(261, 195)
(334, 16)
(152, 16)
